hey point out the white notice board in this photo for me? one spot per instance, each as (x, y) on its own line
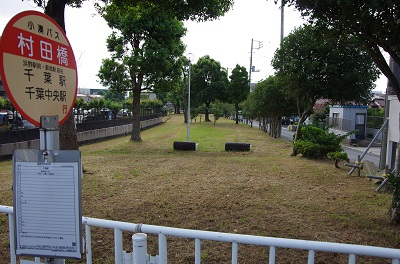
(47, 206)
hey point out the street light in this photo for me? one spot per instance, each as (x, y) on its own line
(190, 58)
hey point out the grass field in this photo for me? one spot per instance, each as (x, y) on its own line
(262, 192)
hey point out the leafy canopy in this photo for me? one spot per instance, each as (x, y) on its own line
(238, 88)
(145, 47)
(375, 23)
(315, 63)
(209, 81)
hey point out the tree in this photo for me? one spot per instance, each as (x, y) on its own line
(217, 110)
(314, 63)
(269, 103)
(109, 95)
(145, 48)
(375, 23)
(196, 10)
(208, 84)
(238, 88)
(199, 10)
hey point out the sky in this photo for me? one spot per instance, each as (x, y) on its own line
(227, 40)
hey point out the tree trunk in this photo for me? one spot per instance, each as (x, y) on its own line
(68, 139)
(297, 135)
(207, 114)
(303, 117)
(55, 9)
(136, 113)
(237, 113)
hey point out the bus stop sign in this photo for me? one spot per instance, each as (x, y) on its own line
(38, 67)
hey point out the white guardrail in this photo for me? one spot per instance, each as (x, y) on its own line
(139, 243)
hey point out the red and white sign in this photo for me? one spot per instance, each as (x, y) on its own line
(38, 67)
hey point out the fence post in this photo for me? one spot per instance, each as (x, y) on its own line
(13, 257)
(162, 248)
(352, 259)
(272, 251)
(311, 256)
(234, 253)
(88, 235)
(139, 251)
(118, 246)
(197, 251)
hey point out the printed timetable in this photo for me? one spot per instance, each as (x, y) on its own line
(47, 209)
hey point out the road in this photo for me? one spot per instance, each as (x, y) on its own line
(373, 154)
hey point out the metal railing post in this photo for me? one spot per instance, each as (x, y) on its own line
(352, 259)
(13, 257)
(272, 252)
(311, 256)
(234, 253)
(88, 235)
(118, 246)
(139, 250)
(197, 251)
(162, 248)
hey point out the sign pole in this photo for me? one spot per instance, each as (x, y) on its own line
(49, 140)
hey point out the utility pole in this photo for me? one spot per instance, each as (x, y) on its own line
(260, 45)
(251, 62)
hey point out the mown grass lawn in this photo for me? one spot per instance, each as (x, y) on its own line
(262, 192)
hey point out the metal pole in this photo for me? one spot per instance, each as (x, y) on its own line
(188, 111)
(282, 19)
(282, 36)
(139, 251)
(49, 140)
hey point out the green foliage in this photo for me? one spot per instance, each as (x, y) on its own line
(146, 50)
(394, 186)
(238, 88)
(200, 10)
(114, 106)
(267, 100)
(338, 156)
(151, 103)
(317, 143)
(376, 112)
(314, 63)
(374, 23)
(208, 83)
(110, 95)
(218, 110)
(145, 46)
(5, 104)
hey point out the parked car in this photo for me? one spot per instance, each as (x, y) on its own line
(103, 115)
(27, 124)
(11, 119)
(124, 113)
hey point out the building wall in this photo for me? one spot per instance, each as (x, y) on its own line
(348, 114)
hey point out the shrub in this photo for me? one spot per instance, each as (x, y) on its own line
(338, 156)
(317, 143)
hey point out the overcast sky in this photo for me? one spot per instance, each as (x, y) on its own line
(227, 40)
